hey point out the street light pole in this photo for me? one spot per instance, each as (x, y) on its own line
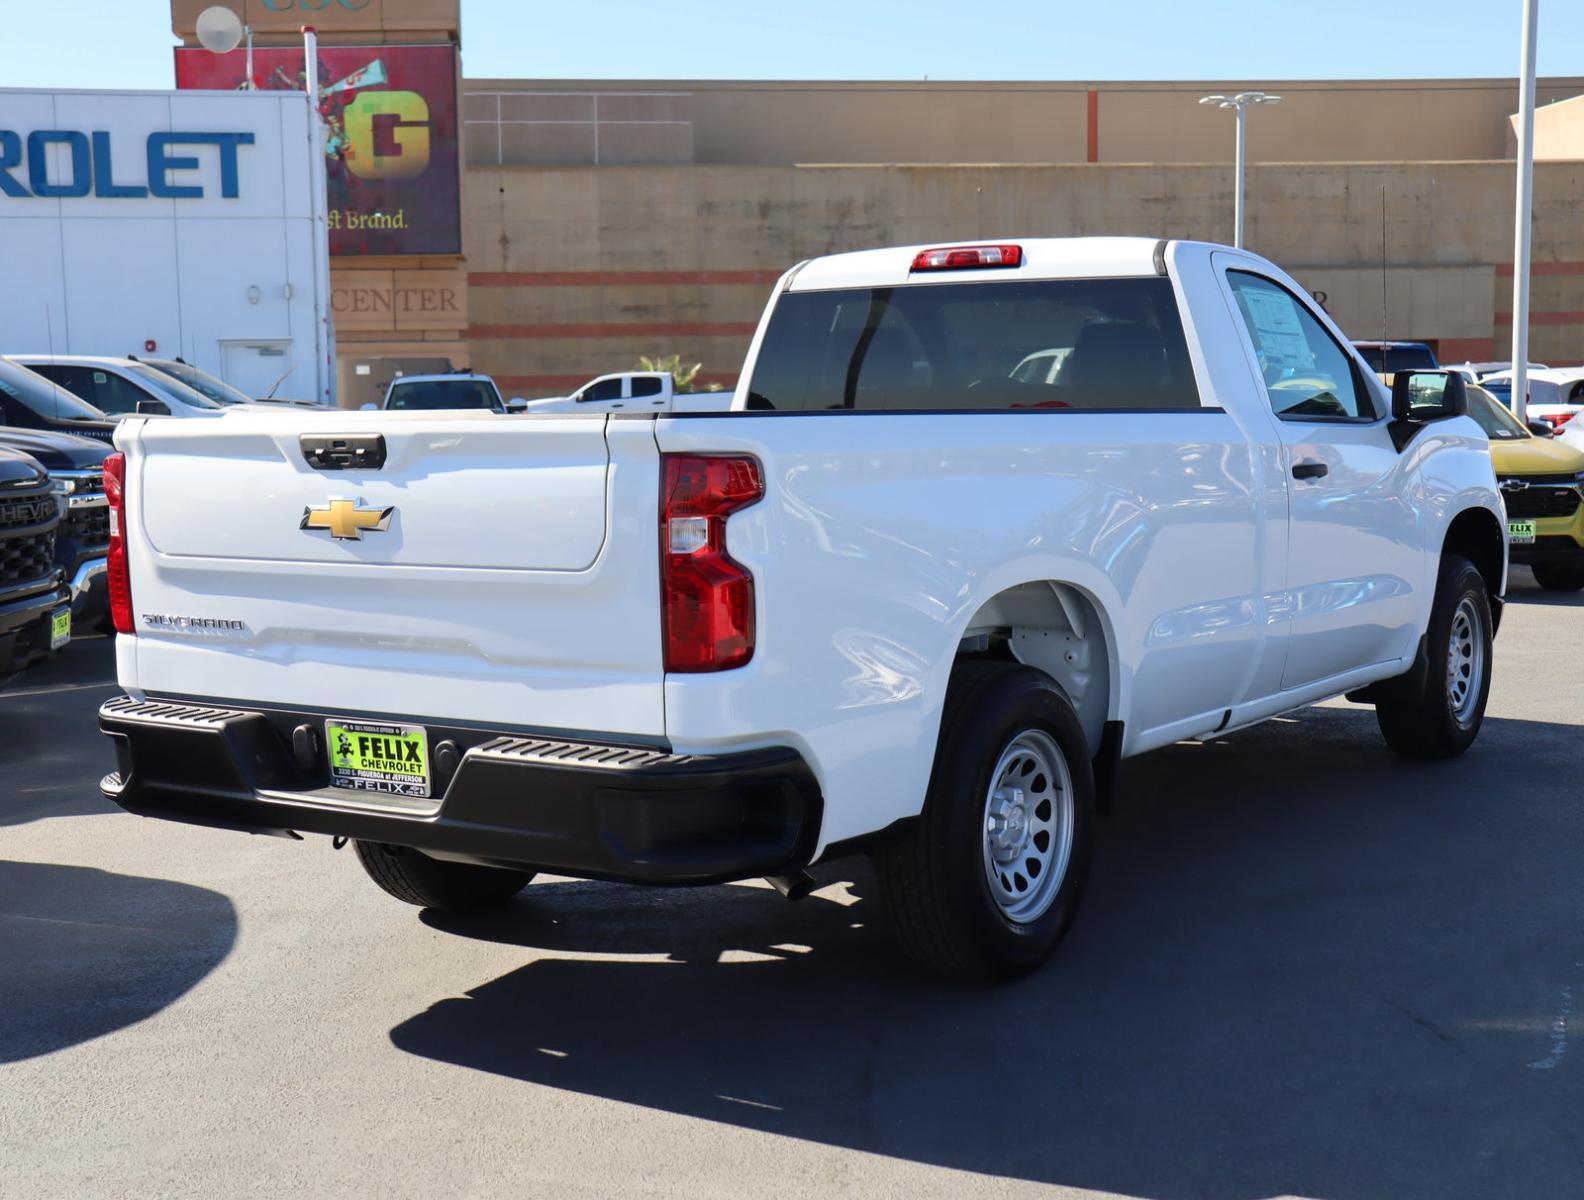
(318, 186)
(1525, 215)
(1240, 104)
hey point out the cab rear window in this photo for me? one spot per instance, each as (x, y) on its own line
(431, 395)
(1080, 344)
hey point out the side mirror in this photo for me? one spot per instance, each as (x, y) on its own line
(153, 408)
(516, 405)
(1421, 396)
(368, 407)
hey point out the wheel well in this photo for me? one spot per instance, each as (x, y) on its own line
(1475, 534)
(1055, 627)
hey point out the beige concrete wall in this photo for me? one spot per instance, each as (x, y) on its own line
(773, 123)
(1559, 131)
(577, 270)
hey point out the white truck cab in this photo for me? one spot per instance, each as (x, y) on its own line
(632, 391)
(984, 521)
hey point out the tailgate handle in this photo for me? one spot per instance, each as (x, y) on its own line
(344, 451)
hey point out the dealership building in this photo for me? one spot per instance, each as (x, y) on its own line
(548, 231)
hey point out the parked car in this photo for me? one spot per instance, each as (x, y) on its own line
(1556, 395)
(121, 387)
(431, 393)
(1387, 358)
(218, 390)
(76, 470)
(632, 391)
(29, 401)
(898, 601)
(35, 605)
(1473, 372)
(1542, 483)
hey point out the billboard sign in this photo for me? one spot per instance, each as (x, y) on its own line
(390, 117)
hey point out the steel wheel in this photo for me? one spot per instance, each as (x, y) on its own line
(1465, 661)
(1028, 826)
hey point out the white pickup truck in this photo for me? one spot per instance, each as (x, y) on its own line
(907, 599)
(630, 392)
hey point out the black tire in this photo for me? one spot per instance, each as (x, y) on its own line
(1559, 577)
(415, 878)
(934, 882)
(1429, 720)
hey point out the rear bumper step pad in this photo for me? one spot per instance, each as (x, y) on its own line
(590, 809)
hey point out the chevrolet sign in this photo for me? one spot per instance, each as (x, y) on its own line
(87, 166)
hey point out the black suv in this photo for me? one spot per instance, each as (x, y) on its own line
(76, 468)
(30, 401)
(35, 616)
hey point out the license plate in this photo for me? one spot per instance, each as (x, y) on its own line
(392, 760)
(60, 628)
(1520, 531)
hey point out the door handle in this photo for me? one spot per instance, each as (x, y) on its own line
(1309, 470)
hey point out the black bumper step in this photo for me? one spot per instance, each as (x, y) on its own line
(592, 809)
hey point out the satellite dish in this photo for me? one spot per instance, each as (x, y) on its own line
(219, 29)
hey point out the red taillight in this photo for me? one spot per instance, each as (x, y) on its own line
(707, 598)
(116, 575)
(964, 258)
(1560, 419)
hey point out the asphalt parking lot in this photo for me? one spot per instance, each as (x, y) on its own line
(1303, 968)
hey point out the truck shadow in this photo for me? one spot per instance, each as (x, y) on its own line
(85, 952)
(1522, 589)
(1303, 967)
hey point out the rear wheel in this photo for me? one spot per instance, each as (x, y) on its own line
(415, 878)
(1441, 716)
(1560, 577)
(988, 879)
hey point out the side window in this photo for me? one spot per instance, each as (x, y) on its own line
(116, 395)
(12, 410)
(1307, 374)
(77, 380)
(645, 387)
(605, 389)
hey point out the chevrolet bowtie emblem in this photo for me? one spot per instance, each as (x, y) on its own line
(345, 520)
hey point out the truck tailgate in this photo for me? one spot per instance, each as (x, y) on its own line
(494, 570)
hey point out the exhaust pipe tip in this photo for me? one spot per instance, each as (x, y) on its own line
(793, 886)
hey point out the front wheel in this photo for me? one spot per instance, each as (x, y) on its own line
(1441, 716)
(988, 879)
(415, 878)
(1560, 577)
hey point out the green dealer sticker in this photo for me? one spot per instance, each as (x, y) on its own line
(391, 759)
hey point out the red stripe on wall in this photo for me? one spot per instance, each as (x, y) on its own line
(1566, 317)
(629, 329)
(1505, 270)
(565, 383)
(1094, 125)
(598, 278)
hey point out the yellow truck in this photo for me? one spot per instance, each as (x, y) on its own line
(1542, 482)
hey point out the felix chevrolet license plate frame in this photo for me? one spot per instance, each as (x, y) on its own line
(379, 757)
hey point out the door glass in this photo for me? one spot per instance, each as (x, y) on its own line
(116, 395)
(1307, 374)
(605, 389)
(645, 387)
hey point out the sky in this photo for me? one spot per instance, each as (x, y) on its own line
(126, 43)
